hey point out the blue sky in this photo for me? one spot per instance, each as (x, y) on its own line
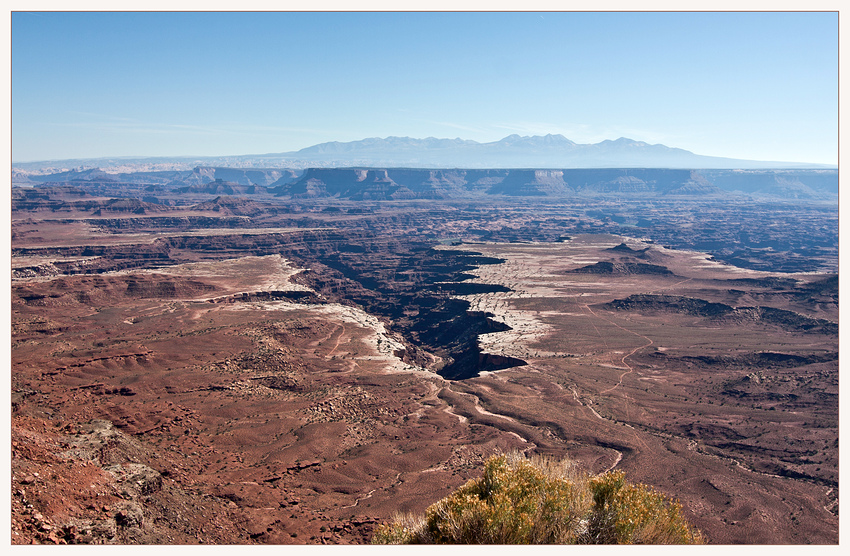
(759, 85)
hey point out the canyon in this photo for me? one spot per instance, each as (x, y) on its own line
(293, 358)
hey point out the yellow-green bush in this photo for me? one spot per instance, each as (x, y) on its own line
(541, 501)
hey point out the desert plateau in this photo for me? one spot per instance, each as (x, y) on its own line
(295, 358)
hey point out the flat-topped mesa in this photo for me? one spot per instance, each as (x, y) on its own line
(402, 183)
(411, 183)
(386, 184)
(533, 183)
(200, 175)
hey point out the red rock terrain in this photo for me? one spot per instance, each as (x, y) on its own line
(256, 385)
(281, 420)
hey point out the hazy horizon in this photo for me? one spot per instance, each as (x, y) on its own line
(323, 160)
(755, 86)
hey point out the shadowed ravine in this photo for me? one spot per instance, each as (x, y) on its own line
(416, 300)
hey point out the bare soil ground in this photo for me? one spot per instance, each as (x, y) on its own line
(735, 414)
(186, 404)
(288, 422)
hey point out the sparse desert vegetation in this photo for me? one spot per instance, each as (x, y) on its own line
(518, 500)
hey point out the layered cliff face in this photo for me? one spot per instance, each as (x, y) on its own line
(203, 175)
(369, 184)
(199, 175)
(532, 183)
(405, 183)
(387, 183)
(793, 184)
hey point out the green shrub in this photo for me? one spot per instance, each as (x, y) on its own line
(542, 501)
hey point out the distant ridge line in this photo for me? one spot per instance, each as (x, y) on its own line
(367, 183)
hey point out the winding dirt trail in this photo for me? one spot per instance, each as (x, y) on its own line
(630, 370)
(342, 331)
(587, 405)
(366, 497)
(670, 287)
(622, 359)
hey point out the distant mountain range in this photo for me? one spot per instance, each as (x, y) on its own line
(514, 151)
